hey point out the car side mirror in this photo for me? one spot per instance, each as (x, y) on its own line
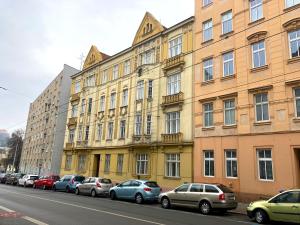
(175, 190)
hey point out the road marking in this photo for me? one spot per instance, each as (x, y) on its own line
(87, 208)
(6, 209)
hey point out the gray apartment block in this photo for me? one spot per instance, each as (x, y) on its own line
(46, 124)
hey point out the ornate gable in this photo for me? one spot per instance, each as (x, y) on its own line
(148, 27)
(94, 57)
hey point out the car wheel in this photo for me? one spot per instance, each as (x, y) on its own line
(165, 203)
(260, 216)
(77, 192)
(139, 198)
(93, 193)
(44, 187)
(113, 195)
(205, 207)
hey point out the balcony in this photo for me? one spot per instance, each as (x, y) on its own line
(173, 99)
(69, 146)
(172, 138)
(176, 61)
(75, 97)
(72, 121)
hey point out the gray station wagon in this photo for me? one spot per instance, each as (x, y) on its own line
(94, 186)
(203, 196)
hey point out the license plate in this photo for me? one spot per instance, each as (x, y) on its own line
(232, 198)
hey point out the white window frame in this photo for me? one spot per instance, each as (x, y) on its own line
(230, 110)
(211, 160)
(297, 98)
(149, 124)
(120, 160)
(110, 130)
(262, 103)
(81, 162)
(172, 122)
(80, 130)
(138, 124)
(257, 52)
(228, 61)
(107, 163)
(90, 80)
(115, 74)
(74, 111)
(125, 97)
(227, 18)
(104, 76)
(90, 106)
(147, 57)
(172, 162)
(174, 84)
(99, 131)
(150, 89)
(71, 135)
(297, 39)
(77, 87)
(83, 105)
(113, 100)
(68, 164)
(127, 67)
(256, 6)
(140, 90)
(206, 2)
(102, 103)
(209, 113)
(264, 159)
(290, 3)
(175, 46)
(208, 65)
(142, 164)
(207, 27)
(231, 159)
(122, 129)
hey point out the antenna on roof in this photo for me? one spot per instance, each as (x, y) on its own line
(81, 57)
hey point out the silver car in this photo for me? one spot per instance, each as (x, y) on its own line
(27, 180)
(203, 196)
(94, 186)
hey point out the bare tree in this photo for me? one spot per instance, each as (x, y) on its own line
(15, 143)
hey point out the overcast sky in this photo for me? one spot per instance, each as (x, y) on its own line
(38, 36)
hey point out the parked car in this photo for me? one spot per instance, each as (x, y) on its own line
(27, 180)
(46, 182)
(4, 178)
(284, 207)
(94, 186)
(68, 183)
(2, 175)
(138, 190)
(206, 197)
(14, 178)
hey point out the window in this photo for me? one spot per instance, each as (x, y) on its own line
(125, 97)
(90, 81)
(68, 162)
(110, 130)
(99, 131)
(207, 30)
(297, 101)
(211, 189)
(231, 163)
(209, 164)
(287, 197)
(77, 87)
(74, 110)
(173, 122)
(208, 114)
(256, 10)
(258, 54)
(104, 76)
(196, 188)
(173, 84)
(115, 72)
(229, 112)
(148, 127)
(82, 106)
(290, 3)
(140, 90)
(71, 135)
(90, 105)
(175, 47)
(120, 163)
(79, 133)
(206, 2)
(87, 130)
(265, 165)
(262, 107)
(141, 164)
(127, 67)
(150, 89)
(147, 57)
(107, 163)
(113, 100)
(122, 128)
(294, 42)
(102, 103)
(183, 188)
(172, 165)
(81, 162)
(228, 64)
(208, 69)
(138, 125)
(227, 22)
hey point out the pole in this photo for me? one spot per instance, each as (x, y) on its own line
(15, 155)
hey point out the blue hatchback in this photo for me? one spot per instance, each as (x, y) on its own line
(138, 190)
(68, 183)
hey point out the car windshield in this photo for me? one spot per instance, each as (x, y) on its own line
(79, 179)
(152, 184)
(55, 177)
(34, 177)
(105, 181)
(224, 188)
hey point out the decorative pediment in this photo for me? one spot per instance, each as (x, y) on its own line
(256, 37)
(94, 56)
(292, 24)
(148, 27)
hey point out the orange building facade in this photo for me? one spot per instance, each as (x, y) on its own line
(247, 95)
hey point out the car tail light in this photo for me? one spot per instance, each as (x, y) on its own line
(98, 184)
(222, 196)
(147, 189)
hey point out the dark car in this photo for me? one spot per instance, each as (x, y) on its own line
(46, 182)
(3, 177)
(68, 183)
(14, 178)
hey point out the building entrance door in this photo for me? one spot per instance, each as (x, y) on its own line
(96, 165)
(297, 166)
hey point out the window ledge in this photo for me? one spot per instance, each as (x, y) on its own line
(206, 42)
(292, 8)
(227, 35)
(258, 69)
(207, 82)
(262, 123)
(256, 21)
(121, 139)
(208, 128)
(296, 120)
(172, 178)
(150, 99)
(293, 60)
(229, 126)
(228, 77)
(67, 169)
(108, 139)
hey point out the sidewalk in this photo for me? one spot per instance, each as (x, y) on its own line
(241, 209)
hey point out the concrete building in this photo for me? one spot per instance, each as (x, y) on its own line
(130, 114)
(45, 130)
(247, 95)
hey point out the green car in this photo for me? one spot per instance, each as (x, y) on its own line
(284, 207)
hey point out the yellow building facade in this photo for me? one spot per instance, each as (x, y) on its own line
(130, 114)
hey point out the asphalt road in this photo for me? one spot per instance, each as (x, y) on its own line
(22, 206)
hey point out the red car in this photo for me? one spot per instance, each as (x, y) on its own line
(46, 182)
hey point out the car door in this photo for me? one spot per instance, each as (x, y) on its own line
(211, 194)
(133, 189)
(285, 207)
(122, 189)
(178, 196)
(194, 195)
(88, 185)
